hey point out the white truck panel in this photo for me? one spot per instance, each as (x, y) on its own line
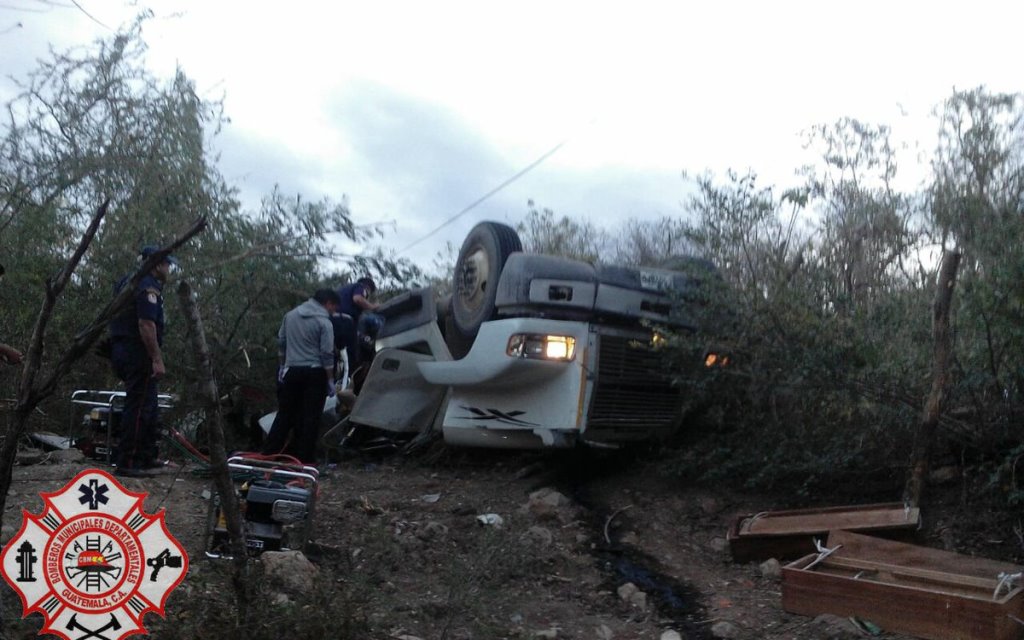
(488, 363)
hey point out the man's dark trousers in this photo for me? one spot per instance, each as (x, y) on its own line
(137, 444)
(300, 405)
(345, 337)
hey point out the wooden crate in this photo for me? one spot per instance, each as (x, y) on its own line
(906, 589)
(790, 534)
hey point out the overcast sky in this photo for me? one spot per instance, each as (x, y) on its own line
(413, 110)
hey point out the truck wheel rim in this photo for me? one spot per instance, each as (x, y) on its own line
(473, 279)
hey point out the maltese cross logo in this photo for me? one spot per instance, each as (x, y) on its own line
(93, 562)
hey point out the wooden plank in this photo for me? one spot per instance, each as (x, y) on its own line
(857, 517)
(908, 555)
(985, 585)
(900, 609)
(791, 533)
(928, 593)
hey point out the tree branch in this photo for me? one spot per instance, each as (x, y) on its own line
(54, 287)
(215, 421)
(942, 337)
(30, 394)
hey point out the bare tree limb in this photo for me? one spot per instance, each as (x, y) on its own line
(941, 334)
(54, 287)
(215, 422)
(31, 392)
(85, 338)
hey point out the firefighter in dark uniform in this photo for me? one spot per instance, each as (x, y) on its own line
(137, 337)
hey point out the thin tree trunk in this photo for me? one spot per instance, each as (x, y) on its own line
(943, 349)
(215, 423)
(32, 391)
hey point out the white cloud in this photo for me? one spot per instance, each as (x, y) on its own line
(415, 109)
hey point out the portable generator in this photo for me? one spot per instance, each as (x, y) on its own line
(100, 425)
(276, 502)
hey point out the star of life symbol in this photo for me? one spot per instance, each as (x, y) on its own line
(93, 562)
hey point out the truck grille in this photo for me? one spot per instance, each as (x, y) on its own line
(634, 398)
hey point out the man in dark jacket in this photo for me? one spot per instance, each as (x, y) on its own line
(306, 353)
(355, 299)
(137, 336)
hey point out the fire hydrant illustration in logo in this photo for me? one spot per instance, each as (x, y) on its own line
(93, 562)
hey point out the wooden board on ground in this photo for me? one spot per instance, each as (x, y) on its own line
(790, 534)
(909, 589)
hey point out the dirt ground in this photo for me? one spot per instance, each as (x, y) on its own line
(563, 538)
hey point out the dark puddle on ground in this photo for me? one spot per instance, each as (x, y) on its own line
(675, 601)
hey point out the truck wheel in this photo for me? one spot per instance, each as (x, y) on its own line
(480, 262)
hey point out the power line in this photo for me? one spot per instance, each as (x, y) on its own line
(89, 15)
(50, 4)
(490, 193)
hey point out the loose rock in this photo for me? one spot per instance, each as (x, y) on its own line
(548, 504)
(771, 569)
(639, 600)
(671, 635)
(538, 536)
(626, 591)
(290, 570)
(630, 593)
(725, 629)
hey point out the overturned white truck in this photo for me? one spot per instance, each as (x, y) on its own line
(531, 351)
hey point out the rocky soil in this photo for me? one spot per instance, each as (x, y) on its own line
(484, 545)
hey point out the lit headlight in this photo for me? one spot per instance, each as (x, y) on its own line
(713, 359)
(559, 348)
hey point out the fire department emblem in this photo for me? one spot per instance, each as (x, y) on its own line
(93, 562)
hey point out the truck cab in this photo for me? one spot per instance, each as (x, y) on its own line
(532, 351)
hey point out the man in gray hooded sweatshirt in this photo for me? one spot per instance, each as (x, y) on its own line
(306, 353)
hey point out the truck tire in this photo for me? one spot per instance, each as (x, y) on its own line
(481, 259)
